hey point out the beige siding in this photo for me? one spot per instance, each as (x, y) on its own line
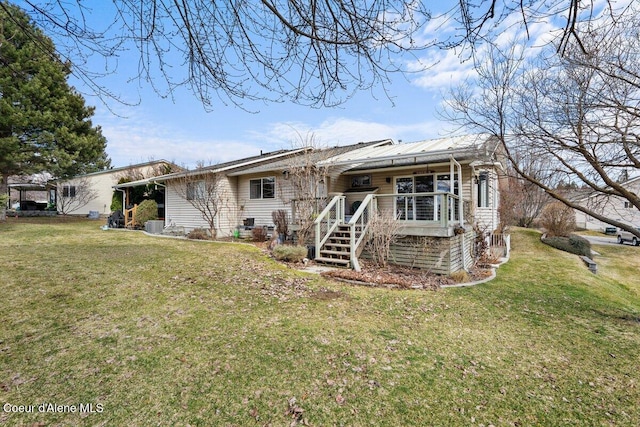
(611, 207)
(441, 255)
(260, 209)
(487, 217)
(102, 183)
(180, 212)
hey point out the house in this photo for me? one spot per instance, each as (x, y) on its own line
(247, 190)
(613, 207)
(442, 192)
(93, 192)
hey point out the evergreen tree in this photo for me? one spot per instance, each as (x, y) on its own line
(44, 123)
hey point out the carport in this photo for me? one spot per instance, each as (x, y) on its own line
(31, 205)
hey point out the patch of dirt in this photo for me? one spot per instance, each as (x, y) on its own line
(327, 294)
(395, 276)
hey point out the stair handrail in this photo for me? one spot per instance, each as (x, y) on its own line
(368, 202)
(338, 203)
(130, 216)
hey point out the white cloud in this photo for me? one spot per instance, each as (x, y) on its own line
(131, 140)
(344, 131)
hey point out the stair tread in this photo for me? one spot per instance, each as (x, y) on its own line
(329, 251)
(334, 260)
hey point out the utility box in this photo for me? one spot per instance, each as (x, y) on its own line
(154, 226)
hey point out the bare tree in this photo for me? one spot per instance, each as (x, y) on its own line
(521, 202)
(578, 115)
(382, 233)
(304, 186)
(205, 190)
(75, 194)
(309, 52)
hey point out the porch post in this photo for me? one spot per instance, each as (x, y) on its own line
(460, 197)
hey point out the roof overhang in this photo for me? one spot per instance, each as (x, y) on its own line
(29, 187)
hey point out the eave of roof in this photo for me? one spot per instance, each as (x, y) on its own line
(316, 156)
(421, 152)
(222, 167)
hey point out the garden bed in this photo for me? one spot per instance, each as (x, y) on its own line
(395, 276)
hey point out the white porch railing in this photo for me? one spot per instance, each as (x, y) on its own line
(501, 241)
(430, 210)
(359, 223)
(328, 220)
(441, 209)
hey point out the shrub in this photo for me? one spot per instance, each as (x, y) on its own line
(281, 221)
(116, 201)
(259, 234)
(573, 244)
(198, 234)
(147, 211)
(558, 219)
(383, 231)
(290, 253)
(460, 276)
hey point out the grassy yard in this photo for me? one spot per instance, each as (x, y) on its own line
(154, 331)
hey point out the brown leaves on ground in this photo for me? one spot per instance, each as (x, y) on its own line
(392, 276)
(395, 276)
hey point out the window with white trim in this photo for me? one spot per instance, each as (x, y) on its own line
(263, 188)
(195, 190)
(483, 189)
(69, 191)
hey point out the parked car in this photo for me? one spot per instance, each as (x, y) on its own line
(625, 236)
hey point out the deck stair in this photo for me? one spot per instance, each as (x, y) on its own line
(337, 249)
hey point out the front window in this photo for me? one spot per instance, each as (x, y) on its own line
(195, 190)
(483, 190)
(69, 191)
(263, 188)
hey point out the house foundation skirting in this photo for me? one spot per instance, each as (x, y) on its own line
(441, 255)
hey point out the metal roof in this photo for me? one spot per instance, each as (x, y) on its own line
(315, 156)
(221, 167)
(413, 152)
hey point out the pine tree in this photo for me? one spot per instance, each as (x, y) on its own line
(44, 123)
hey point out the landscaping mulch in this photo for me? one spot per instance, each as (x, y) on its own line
(395, 276)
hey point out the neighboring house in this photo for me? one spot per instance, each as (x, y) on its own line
(93, 192)
(442, 192)
(613, 207)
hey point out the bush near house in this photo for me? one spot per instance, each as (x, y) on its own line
(199, 234)
(573, 244)
(147, 211)
(290, 253)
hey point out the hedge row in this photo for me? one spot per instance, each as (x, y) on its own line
(573, 244)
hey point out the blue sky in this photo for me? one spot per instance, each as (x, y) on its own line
(179, 129)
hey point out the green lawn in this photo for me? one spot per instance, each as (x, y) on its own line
(155, 331)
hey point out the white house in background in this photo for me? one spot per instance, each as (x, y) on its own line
(614, 207)
(94, 191)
